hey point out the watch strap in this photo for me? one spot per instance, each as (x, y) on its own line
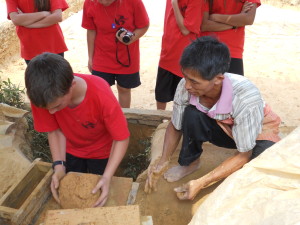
(58, 162)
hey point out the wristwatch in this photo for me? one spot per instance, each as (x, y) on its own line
(59, 162)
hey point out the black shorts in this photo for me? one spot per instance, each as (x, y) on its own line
(236, 66)
(75, 164)
(166, 84)
(123, 80)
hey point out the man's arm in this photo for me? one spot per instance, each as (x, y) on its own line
(246, 17)
(25, 19)
(90, 37)
(57, 143)
(118, 151)
(172, 138)
(53, 18)
(189, 190)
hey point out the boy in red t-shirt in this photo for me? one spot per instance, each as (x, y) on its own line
(181, 25)
(87, 130)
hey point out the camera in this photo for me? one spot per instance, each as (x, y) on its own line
(127, 36)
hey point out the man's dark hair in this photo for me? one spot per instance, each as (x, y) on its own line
(207, 56)
(48, 76)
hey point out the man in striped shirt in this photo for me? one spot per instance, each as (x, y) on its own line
(211, 105)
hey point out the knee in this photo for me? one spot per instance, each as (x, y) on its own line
(123, 90)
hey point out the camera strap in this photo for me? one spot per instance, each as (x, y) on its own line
(128, 54)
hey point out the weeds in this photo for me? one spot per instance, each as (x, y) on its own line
(11, 94)
(139, 162)
(38, 142)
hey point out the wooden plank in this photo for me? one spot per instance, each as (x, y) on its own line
(7, 213)
(119, 215)
(22, 190)
(16, 194)
(34, 201)
(133, 193)
(44, 166)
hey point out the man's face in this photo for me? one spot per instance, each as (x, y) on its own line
(106, 2)
(59, 104)
(196, 85)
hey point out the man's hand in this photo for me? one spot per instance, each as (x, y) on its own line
(59, 173)
(189, 190)
(102, 185)
(155, 171)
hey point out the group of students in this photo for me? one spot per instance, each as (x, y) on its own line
(87, 130)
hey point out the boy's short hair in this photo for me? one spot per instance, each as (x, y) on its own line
(207, 56)
(48, 76)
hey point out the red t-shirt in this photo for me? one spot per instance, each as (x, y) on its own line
(34, 41)
(233, 38)
(173, 41)
(91, 126)
(129, 14)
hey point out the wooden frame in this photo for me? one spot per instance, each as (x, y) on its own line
(23, 200)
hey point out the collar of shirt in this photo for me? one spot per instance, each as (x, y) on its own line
(223, 105)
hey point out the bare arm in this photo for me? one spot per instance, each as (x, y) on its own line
(57, 143)
(90, 36)
(179, 18)
(172, 138)
(118, 151)
(210, 25)
(25, 19)
(229, 166)
(53, 18)
(239, 20)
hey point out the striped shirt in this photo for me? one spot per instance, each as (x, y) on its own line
(240, 111)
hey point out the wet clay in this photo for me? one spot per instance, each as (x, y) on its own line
(75, 190)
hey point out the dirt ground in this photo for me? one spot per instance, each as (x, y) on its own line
(272, 52)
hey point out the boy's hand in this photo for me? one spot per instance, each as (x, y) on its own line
(155, 171)
(103, 184)
(59, 173)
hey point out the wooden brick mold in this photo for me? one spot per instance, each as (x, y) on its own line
(22, 201)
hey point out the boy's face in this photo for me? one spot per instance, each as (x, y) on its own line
(196, 85)
(60, 103)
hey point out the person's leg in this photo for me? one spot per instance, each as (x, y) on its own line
(197, 128)
(124, 96)
(27, 61)
(260, 147)
(165, 88)
(236, 66)
(125, 82)
(96, 166)
(75, 164)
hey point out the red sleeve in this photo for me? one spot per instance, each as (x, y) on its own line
(43, 120)
(140, 15)
(115, 121)
(58, 4)
(11, 6)
(193, 16)
(87, 19)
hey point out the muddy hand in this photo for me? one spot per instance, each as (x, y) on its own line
(187, 191)
(155, 171)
